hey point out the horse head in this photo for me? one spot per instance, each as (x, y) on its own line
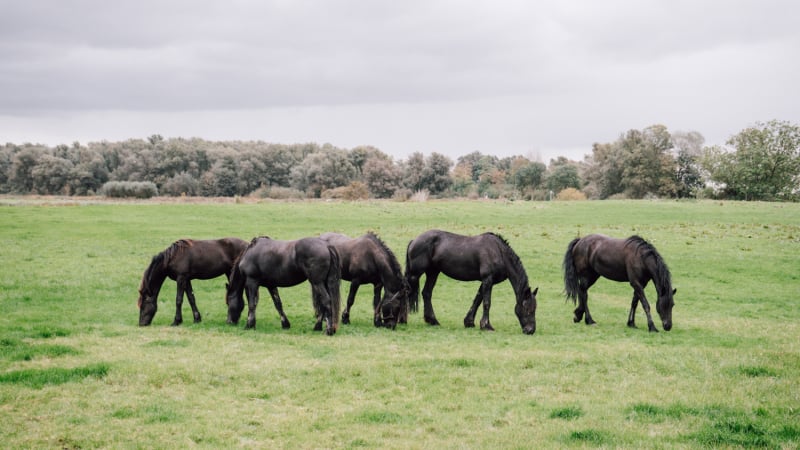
(235, 302)
(664, 307)
(148, 305)
(392, 308)
(526, 310)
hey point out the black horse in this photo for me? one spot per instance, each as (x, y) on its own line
(183, 261)
(272, 264)
(633, 260)
(486, 258)
(367, 260)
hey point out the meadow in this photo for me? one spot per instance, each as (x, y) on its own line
(77, 372)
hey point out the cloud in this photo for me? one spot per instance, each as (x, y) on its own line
(439, 75)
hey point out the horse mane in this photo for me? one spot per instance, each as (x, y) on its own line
(662, 277)
(514, 259)
(162, 259)
(393, 263)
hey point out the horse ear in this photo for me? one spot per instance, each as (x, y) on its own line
(674, 291)
(535, 291)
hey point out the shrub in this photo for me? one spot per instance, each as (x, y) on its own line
(279, 193)
(420, 196)
(124, 189)
(571, 194)
(402, 195)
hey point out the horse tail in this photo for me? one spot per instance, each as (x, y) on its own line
(333, 281)
(413, 286)
(570, 273)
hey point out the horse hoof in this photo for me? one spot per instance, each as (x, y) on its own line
(318, 327)
(198, 319)
(653, 330)
(175, 323)
(346, 320)
(285, 324)
(469, 324)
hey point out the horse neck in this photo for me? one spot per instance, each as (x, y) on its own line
(153, 279)
(660, 274)
(391, 277)
(516, 273)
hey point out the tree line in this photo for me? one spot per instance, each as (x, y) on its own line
(759, 163)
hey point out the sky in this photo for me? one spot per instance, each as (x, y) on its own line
(540, 79)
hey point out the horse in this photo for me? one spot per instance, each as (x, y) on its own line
(633, 260)
(183, 261)
(487, 258)
(367, 260)
(272, 264)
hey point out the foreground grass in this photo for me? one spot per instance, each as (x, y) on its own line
(76, 371)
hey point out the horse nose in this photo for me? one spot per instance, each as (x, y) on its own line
(667, 326)
(530, 329)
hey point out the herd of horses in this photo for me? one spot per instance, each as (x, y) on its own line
(326, 260)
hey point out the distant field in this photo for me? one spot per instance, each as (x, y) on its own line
(77, 372)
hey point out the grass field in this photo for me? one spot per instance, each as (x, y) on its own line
(77, 372)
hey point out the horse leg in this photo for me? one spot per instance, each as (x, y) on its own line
(181, 282)
(351, 298)
(427, 292)
(190, 296)
(469, 320)
(276, 300)
(486, 287)
(582, 311)
(632, 313)
(638, 291)
(377, 320)
(252, 303)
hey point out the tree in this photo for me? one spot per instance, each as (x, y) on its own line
(436, 175)
(326, 169)
(649, 167)
(382, 177)
(688, 175)
(413, 171)
(529, 176)
(637, 164)
(764, 163)
(563, 174)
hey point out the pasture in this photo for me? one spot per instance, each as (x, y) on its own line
(76, 371)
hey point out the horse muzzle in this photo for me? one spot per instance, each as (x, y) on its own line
(530, 329)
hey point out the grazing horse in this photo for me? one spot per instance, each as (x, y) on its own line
(272, 264)
(367, 260)
(633, 260)
(183, 261)
(486, 258)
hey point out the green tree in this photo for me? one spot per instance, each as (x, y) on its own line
(764, 163)
(563, 174)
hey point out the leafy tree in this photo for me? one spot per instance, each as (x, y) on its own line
(413, 172)
(563, 174)
(50, 174)
(326, 169)
(529, 176)
(764, 163)
(649, 167)
(436, 175)
(382, 177)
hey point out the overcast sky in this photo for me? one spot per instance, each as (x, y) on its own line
(536, 78)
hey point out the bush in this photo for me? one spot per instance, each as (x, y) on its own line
(279, 193)
(127, 189)
(571, 194)
(420, 196)
(402, 195)
(354, 191)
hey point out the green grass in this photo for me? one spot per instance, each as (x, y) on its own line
(77, 371)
